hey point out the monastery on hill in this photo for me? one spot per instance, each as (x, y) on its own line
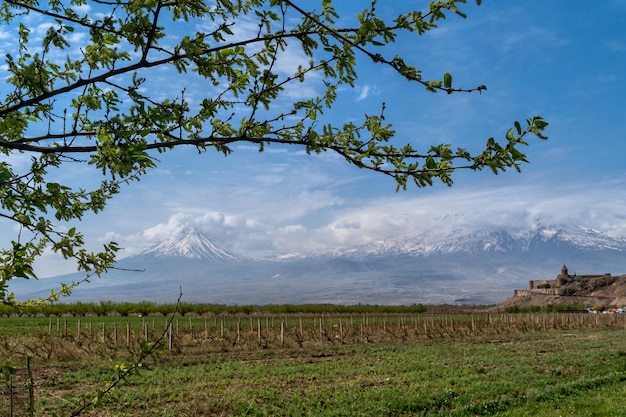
(554, 286)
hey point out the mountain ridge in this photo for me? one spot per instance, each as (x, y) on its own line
(481, 266)
(485, 240)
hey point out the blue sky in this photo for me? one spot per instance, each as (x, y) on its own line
(563, 60)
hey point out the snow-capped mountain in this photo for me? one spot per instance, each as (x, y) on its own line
(464, 241)
(435, 243)
(481, 266)
(578, 237)
(193, 244)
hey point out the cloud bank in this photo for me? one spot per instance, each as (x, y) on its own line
(353, 222)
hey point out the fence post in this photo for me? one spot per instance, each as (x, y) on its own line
(170, 341)
(282, 333)
(10, 395)
(30, 409)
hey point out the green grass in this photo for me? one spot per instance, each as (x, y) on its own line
(547, 373)
(424, 365)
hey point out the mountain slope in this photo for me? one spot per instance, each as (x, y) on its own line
(434, 267)
(463, 241)
(193, 244)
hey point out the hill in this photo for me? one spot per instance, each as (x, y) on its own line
(592, 291)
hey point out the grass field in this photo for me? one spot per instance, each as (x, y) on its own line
(448, 365)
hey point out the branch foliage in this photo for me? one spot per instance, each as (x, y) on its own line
(83, 92)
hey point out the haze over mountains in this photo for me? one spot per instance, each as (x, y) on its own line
(459, 266)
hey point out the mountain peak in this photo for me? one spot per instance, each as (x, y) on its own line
(193, 244)
(475, 241)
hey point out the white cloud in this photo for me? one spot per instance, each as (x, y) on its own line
(175, 224)
(365, 92)
(350, 223)
(82, 9)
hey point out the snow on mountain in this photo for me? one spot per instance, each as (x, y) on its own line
(300, 278)
(479, 266)
(193, 244)
(435, 242)
(579, 237)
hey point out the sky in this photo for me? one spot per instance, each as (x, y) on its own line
(562, 60)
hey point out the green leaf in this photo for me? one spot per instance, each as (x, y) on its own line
(430, 163)
(110, 39)
(447, 80)
(510, 134)
(517, 155)
(326, 3)
(5, 171)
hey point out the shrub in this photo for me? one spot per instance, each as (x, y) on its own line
(513, 309)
